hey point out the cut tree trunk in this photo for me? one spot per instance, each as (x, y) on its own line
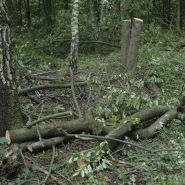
(125, 42)
(134, 45)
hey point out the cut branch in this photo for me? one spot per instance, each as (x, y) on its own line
(49, 130)
(48, 117)
(143, 115)
(152, 129)
(49, 86)
(81, 43)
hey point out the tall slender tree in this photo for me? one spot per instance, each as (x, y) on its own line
(94, 20)
(10, 113)
(75, 36)
(166, 13)
(178, 20)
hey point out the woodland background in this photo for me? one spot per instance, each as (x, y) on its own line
(41, 39)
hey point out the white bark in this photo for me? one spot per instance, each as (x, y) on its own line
(75, 36)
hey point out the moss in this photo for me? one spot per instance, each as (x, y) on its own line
(14, 112)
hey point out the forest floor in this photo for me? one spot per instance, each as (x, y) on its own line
(52, 101)
(129, 165)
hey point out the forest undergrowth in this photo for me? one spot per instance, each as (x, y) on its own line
(108, 96)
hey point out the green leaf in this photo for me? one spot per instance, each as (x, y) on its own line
(77, 173)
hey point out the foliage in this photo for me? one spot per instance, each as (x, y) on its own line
(3, 146)
(92, 161)
(118, 95)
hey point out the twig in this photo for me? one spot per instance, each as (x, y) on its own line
(107, 75)
(88, 100)
(101, 138)
(51, 164)
(48, 86)
(73, 93)
(48, 117)
(20, 151)
(81, 42)
(53, 177)
(40, 138)
(40, 169)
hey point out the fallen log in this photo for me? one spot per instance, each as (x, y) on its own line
(45, 143)
(152, 129)
(49, 130)
(128, 124)
(49, 86)
(56, 129)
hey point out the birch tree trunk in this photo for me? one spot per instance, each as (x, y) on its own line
(10, 113)
(75, 36)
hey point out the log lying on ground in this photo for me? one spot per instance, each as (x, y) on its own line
(49, 86)
(143, 115)
(79, 125)
(46, 143)
(49, 130)
(152, 129)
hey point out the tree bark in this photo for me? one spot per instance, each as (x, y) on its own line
(28, 12)
(49, 130)
(166, 13)
(46, 143)
(48, 11)
(178, 20)
(81, 124)
(94, 20)
(128, 124)
(125, 42)
(134, 45)
(66, 5)
(10, 114)
(152, 129)
(75, 36)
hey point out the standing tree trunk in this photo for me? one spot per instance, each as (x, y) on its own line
(66, 5)
(19, 14)
(178, 20)
(48, 11)
(125, 42)
(154, 13)
(94, 20)
(10, 114)
(134, 45)
(28, 12)
(166, 13)
(75, 36)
